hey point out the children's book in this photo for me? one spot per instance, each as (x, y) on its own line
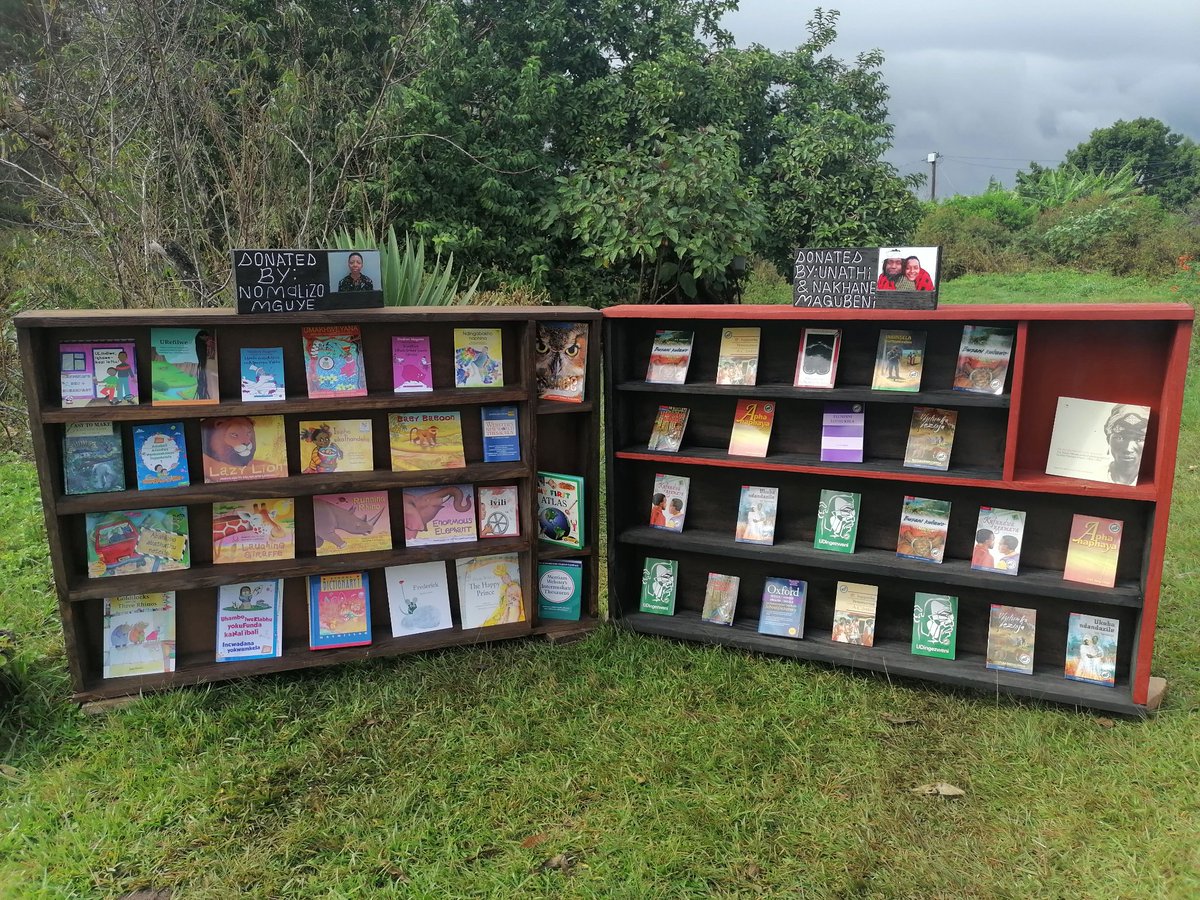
(998, 540)
(339, 611)
(351, 522)
(499, 511)
(983, 359)
(757, 510)
(930, 438)
(139, 635)
(751, 433)
(136, 541)
(668, 506)
(560, 589)
(421, 441)
(935, 625)
(923, 527)
(254, 530)
(93, 459)
(782, 610)
(720, 598)
(100, 373)
(1092, 649)
(418, 598)
(898, 361)
(333, 361)
(250, 620)
(335, 445)
(561, 361)
(658, 586)
(439, 515)
(738, 359)
(1011, 631)
(243, 448)
(843, 426)
(670, 355)
(816, 363)
(854, 613)
(183, 367)
(501, 442)
(262, 374)
(669, 423)
(478, 358)
(412, 366)
(489, 590)
(161, 456)
(1092, 550)
(1097, 441)
(560, 509)
(837, 521)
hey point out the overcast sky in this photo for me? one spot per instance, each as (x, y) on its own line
(992, 85)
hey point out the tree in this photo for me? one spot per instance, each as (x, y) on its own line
(1166, 164)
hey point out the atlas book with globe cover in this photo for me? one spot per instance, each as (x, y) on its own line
(983, 359)
(560, 509)
(737, 362)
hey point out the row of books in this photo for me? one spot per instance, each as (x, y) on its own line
(1091, 649)
(983, 358)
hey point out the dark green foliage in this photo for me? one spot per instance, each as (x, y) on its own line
(1166, 164)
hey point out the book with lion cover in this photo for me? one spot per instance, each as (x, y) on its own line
(254, 530)
(351, 522)
(335, 445)
(139, 634)
(243, 448)
(421, 441)
(489, 590)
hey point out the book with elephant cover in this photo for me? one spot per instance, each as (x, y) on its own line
(333, 361)
(422, 441)
(478, 358)
(137, 541)
(489, 590)
(499, 511)
(439, 515)
(560, 509)
(243, 448)
(335, 445)
(339, 610)
(183, 367)
(418, 598)
(412, 367)
(250, 620)
(160, 454)
(102, 373)
(351, 522)
(254, 530)
(93, 458)
(139, 634)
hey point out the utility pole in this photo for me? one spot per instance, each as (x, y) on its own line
(932, 159)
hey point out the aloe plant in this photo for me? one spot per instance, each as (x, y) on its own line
(405, 281)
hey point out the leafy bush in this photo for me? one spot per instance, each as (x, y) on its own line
(972, 242)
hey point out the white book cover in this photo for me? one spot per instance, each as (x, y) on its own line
(139, 634)
(1097, 440)
(249, 620)
(418, 598)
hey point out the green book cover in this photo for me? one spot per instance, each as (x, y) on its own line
(560, 589)
(659, 577)
(837, 521)
(935, 625)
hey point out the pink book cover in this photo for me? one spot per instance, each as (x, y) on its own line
(439, 515)
(412, 369)
(351, 522)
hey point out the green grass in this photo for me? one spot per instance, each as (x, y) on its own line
(658, 769)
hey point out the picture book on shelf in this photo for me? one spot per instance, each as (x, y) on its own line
(560, 509)
(720, 598)
(670, 356)
(412, 366)
(930, 438)
(93, 458)
(478, 358)
(136, 541)
(335, 445)
(243, 448)
(843, 426)
(983, 357)
(560, 589)
(262, 374)
(669, 423)
(816, 363)
(439, 515)
(837, 521)
(757, 510)
(183, 367)
(658, 586)
(501, 440)
(1097, 440)
(339, 611)
(898, 361)
(737, 362)
(1092, 649)
(854, 613)
(333, 361)
(499, 511)
(160, 454)
(1011, 631)
(254, 530)
(560, 363)
(751, 432)
(998, 540)
(351, 522)
(935, 625)
(668, 506)
(923, 527)
(139, 635)
(418, 598)
(489, 590)
(421, 441)
(250, 620)
(1092, 550)
(98, 373)
(782, 610)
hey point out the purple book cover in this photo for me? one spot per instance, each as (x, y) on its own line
(412, 371)
(842, 428)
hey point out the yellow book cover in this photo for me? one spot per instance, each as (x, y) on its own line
(351, 522)
(751, 428)
(426, 440)
(254, 530)
(738, 360)
(335, 445)
(478, 358)
(489, 590)
(243, 448)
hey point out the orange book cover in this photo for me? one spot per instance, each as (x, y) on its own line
(254, 530)
(752, 422)
(243, 448)
(1092, 551)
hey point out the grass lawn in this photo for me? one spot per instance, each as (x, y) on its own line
(622, 766)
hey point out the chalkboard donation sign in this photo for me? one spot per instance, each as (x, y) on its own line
(292, 281)
(866, 278)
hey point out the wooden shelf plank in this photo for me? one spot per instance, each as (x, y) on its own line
(556, 407)
(845, 394)
(554, 551)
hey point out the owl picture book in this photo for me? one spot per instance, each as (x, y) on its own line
(250, 620)
(254, 530)
(478, 358)
(93, 458)
(335, 445)
(139, 635)
(499, 511)
(356, 522)
(137, 541)
(421, 441)
(561, 361)
(439, 515)
(983, 357)
(339, 610)
(418, 598)
(412, 366)
(183, 367)
(243, 448)
(489, 590)
(333, 361)
(160, 455)
(262, 374)
(560, 509)
(98, 373)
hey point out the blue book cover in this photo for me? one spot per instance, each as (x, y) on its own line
(161, 456)
(262, 374)
(501, 443)
(783, 607)
(339, 610)
(560, 589)
(92, 459)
